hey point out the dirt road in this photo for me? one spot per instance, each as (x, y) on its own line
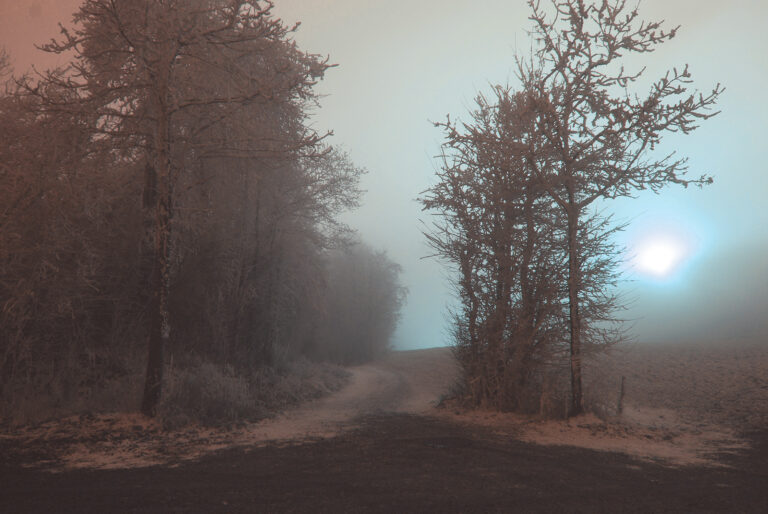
(377, 446)
(408, 382)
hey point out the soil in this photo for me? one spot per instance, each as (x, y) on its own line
(380, 445)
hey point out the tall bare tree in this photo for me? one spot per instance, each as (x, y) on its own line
(503, 232)
(600, 132)
(494, 228)
(144, 69)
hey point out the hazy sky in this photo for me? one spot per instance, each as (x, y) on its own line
(698, 259)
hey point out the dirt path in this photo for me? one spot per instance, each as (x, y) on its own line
(409, 382)
(379, 446)
(651, 428)
(404, 382)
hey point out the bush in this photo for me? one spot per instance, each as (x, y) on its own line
(97, 383)
(215, 396)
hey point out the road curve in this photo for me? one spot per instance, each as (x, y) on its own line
(402, 382)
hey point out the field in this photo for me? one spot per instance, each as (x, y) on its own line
(682, 404)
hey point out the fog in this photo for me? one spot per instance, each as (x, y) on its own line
(403, 64)
(212, 238)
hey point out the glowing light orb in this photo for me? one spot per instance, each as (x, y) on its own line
(661, 256)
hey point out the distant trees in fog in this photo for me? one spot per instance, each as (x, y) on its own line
(534, 263)
(361, 304)
(166, 186)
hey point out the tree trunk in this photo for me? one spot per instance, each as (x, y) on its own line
(159, 326)
(159, 316)
(574, 284)
(149, 215)
(525, 332)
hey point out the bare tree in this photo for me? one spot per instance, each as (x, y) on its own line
(143, 69)
(600, 134)
(496, 227)
(251, 253)
(502, 231)
(67, 279)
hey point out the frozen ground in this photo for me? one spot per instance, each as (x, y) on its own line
(683, 405)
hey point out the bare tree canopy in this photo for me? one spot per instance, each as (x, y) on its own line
(503, 233)
(602, 134)
(575, 133)
(181, 187)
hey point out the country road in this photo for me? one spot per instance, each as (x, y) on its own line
(377, 446)
(410, 382)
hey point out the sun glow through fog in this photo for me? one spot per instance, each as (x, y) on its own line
(660, 258)
(661, 252)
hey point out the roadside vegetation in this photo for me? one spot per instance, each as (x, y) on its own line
(169, 238)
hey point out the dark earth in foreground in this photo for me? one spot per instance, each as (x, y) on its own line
(399, 463)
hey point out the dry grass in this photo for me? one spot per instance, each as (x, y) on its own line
(724, 383)
(684, 404)
(200, 393)
(205, 408)
(216, 396)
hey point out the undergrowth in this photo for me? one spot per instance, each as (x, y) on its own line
(196, 393)
(216, 396)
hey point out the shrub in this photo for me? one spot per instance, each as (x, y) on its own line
(215, 395)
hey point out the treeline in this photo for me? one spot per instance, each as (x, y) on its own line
(165, 203)
(516, 199)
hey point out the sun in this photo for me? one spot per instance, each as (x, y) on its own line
(660, 256)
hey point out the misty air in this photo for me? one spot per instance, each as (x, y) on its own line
(405, 256)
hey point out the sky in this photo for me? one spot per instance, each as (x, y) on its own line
(696, 260)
